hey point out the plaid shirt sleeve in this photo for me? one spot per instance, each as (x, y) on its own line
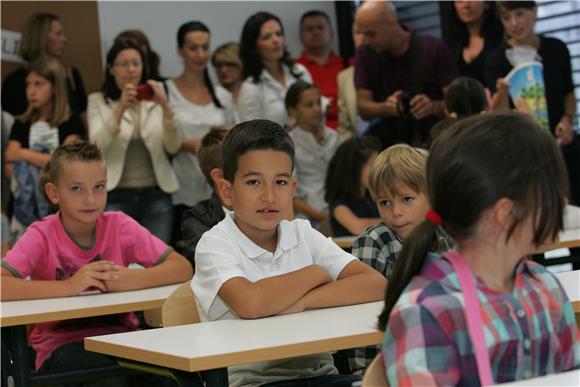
(417, 350)
(378, 247)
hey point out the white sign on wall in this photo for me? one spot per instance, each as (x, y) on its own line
(10, 45)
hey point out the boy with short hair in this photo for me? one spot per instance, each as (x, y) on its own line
(82, 248)
(398, 185)
(207, 213)
(315, 144)
(255, 264)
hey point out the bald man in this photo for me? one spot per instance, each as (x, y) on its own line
(400, 77)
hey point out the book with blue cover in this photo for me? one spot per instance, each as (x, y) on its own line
(527, 91)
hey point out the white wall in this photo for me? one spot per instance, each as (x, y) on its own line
(160, 21)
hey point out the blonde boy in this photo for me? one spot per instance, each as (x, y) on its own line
(255, 264)
(397, 182)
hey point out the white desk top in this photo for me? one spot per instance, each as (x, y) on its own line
(52, 309)
(570, 281)
(569, 238)
(232, 342)
(570, 378)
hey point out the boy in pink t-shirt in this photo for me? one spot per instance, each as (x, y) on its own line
(83, 248)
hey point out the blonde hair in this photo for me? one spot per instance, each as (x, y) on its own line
(34, 42)
(399, 164)
(51, 70)
(228, 52)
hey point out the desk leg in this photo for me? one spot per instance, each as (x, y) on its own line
(18, 345)
(215, 378)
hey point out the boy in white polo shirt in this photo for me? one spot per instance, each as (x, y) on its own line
(255, 264)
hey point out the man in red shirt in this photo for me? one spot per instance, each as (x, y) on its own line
(324, 65)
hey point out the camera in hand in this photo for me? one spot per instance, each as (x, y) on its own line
(145, 92)
(404, 105)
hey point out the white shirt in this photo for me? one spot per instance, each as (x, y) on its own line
(225, 252)
(43, 135)
(311, 163)
(194, 121)
(265, 99)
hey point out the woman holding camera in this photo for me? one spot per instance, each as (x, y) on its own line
(133, 125)
(198, 105)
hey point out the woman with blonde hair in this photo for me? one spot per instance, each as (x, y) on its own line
(228, 67)
(43, 36)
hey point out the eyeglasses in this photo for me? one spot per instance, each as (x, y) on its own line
(127, 63)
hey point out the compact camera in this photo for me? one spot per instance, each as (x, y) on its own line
(145, 92)
(404, 105)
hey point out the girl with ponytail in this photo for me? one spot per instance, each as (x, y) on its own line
(198, 106)
(497, 185)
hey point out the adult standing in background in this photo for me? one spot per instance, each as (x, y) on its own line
(473, 32)
(228, 67)
(198, 105)
(349, 121)
(152, 60)
(268, 70)
(43, 35)
(135, 136)
(519, 19)
(316, 35)
(400, 77)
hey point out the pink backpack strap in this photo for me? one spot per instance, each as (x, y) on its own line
(472, 315)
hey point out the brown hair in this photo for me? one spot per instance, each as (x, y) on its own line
(398, 164)
(210, 152)
(51, 70)
(34, 42)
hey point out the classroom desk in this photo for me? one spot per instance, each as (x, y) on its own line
(570, 281)
(15, 315)
(219, 344)
(344, 242)
(570, 378)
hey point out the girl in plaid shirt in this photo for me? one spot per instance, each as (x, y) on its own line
(497, 185)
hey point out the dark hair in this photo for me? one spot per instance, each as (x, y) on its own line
(249, 55)
(253, 135)
(458, 37)
(34, 39)
(110, 89)
(465, 97)
(197, 26)
(478, 161)
(210, 152)
(153, 61)
(75, 151)
(314, 13)
(343, 176)
(295, 91)
(513, 5)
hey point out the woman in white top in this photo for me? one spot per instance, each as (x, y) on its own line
(268, 70)
(198, 106)
(134, 128)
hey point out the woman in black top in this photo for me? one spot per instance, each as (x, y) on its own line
(471, 31)
(43, 36)
(519, 18)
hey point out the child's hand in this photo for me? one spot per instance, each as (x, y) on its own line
(502, 86)
(114, 284)
(92, 275)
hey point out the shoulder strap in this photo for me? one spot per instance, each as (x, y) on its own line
(472, 312)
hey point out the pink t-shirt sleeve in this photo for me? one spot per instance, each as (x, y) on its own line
(27, 254)
(139, 245)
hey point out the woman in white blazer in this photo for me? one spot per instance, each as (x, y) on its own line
(134, 128)
(268, 70)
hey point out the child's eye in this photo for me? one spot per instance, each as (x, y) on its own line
(408, 199)
(100, 187)
(384, 203)
(252, 182)
(75, 189)
(282, 182)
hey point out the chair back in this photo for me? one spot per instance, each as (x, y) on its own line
(180, 307)
(375, 374)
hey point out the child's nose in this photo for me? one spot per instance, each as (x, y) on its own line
(268, 193)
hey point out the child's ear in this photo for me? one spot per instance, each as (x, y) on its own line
(51, 192)
(216, 174)
(224, 189)
(504, 210)
(292, 112)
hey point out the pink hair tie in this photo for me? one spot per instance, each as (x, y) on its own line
(433, 217)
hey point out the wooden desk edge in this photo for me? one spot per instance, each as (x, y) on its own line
(233, 359)
(34, 318)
